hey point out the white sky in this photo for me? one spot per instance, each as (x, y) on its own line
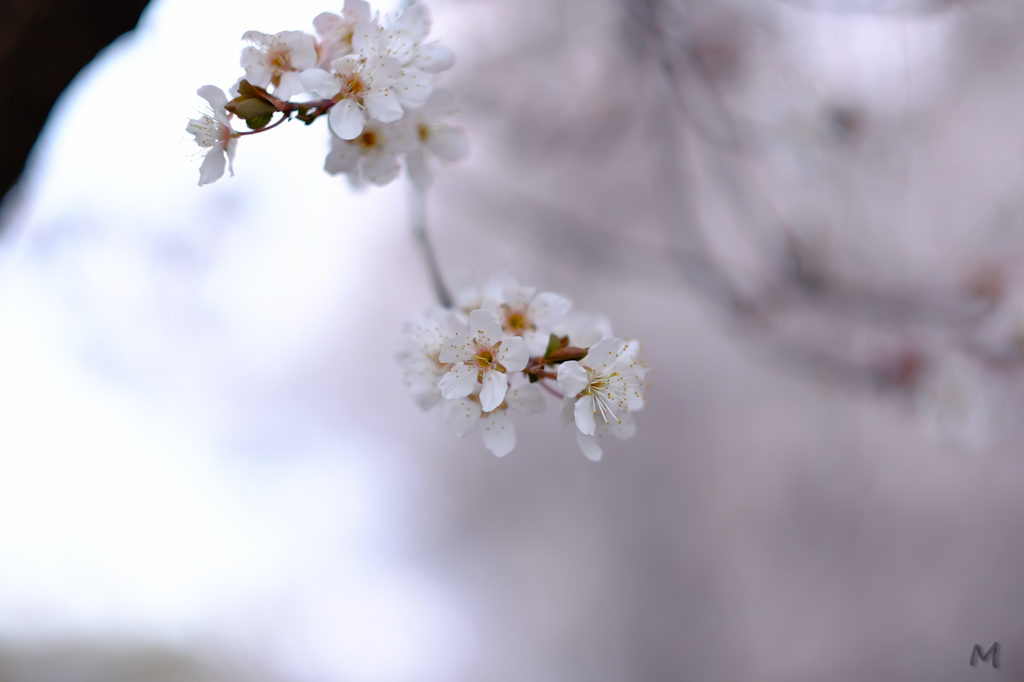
(152, 482)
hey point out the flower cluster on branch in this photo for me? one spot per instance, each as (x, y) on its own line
(372, 78)
(491, 356)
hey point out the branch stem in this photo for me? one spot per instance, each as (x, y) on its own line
(418, 223)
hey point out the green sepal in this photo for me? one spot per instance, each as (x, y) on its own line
(533, 378)
(257, 122)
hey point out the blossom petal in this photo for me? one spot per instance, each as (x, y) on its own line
(484, 327)
(514, 355)
(498, 433)
(622, 429)
(458, 382)
(566, 412)
(217, 99)
(343, 157)
(458, 347)
(590, 446)
(380, 169)
(603, 353)
(289, 86)
(433, 58)
(448, 144)
(365, 37)
(383, 105)
(427, 399)
(302, 48)
(584, 412)
(347, 119)
(461, 416)
(213, 166)
(357, 9)
(320, 82)
(525, 399)
(413, 88)
(572, 378)
(549, 309)
(414, 20)
(495, 385)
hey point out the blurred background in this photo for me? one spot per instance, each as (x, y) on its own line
(809, 211)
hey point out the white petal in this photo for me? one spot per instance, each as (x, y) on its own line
(213, 166)
(230, 149)
(566, 412)
(440, 105)
(413, 88)
(419, 170)
(433, 58)
(513, 355)
(603, 353)
(257, 38)
(584, 412)
(357, 9)
(320, 82)
(289, 86)
(251, 57)
(302, 48)
(498, 433)
(215, 96)
(537, 341)
(572, 378)
(347, 119)
(459, 381)
(325, 23)
(549, 309)
(380, 169)
(590, 447)
(485, 328)
(383, 105)
(448, 144)
(495, 385)
(415, 21)
(525, 399)
(343, 158)
(624, 428)
(461, 416)
(457, 348)
(427, 399)
(366, 38)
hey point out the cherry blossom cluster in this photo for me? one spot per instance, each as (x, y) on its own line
(372, 78)
(491, 355)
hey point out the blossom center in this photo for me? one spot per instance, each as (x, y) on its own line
(368, 139)
(484, 357)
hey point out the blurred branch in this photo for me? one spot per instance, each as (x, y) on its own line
(44, 44)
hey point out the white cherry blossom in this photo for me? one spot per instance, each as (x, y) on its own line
(418, 354)
(278, 60)
(362, 86)
(213, 131)
(413, 86)
(372, 155)
(337, 31)
(433, 138)
(531, 316)
(465, 415)
(406, 36)
(481, 355)
(603, 390)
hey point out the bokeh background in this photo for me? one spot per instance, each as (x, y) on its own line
(209, 468)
